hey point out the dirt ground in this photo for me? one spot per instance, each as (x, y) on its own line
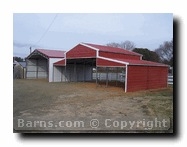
(37, 102)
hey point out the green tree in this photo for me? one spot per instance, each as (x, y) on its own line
(147, 54)
(18, 59)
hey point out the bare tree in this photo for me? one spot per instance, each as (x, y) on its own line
(113, 44)
(129, 45)
(165, 52)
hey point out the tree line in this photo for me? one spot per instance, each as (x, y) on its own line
(18, 59)
(163, 54)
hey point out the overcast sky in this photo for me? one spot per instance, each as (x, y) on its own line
(67, 30)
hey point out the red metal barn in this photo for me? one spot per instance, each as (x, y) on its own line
(110, 64)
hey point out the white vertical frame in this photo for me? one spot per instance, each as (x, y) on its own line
(126, 78)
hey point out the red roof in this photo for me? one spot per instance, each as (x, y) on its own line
(112, 49)
(60, 63)
(52, 53)
(142, 62)
(122, 62)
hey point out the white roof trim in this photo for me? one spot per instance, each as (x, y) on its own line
(126, 78)
(96, 49)
(113, 60)
(89, 46)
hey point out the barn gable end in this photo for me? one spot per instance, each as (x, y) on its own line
(81, 51)
(40, 62)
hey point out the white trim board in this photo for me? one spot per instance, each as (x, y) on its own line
(113, 60)
(91, 47)
(126, 78)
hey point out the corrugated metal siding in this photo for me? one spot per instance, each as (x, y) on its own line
(102, 62)
(37, 68)
(136, 78)
(157, 77)
(118, 56)
(83, 73)
(78, 73)
(58, 74)
(81, 51)
(146, 77)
